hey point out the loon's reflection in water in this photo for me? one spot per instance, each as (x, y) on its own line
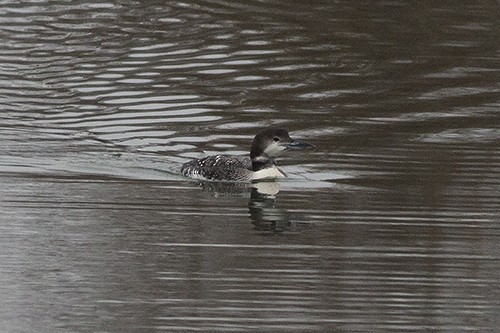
(226, 189)
(263, 211)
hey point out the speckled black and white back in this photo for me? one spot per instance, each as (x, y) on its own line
(219, 167)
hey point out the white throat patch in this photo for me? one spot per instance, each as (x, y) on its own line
(268, 173)
(274, 149)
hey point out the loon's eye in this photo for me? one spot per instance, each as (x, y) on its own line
(276, 139)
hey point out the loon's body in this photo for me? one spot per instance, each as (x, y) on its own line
(261, 164)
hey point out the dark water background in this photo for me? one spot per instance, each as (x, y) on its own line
(390, 224)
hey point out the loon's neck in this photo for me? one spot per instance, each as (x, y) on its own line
(262, 162)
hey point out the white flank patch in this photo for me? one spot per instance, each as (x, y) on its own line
(268, 173)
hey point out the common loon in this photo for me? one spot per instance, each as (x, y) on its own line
(261, 163)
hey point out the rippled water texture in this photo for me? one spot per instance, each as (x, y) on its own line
(390, 224)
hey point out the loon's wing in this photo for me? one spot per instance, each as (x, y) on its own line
(219, 167)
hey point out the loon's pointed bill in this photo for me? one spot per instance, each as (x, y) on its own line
(261, 164)
(298, 145)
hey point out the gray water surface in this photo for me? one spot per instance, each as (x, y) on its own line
(390, 225)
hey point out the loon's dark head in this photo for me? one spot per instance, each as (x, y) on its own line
(271, 142)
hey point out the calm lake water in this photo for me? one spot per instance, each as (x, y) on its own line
(390, 225)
